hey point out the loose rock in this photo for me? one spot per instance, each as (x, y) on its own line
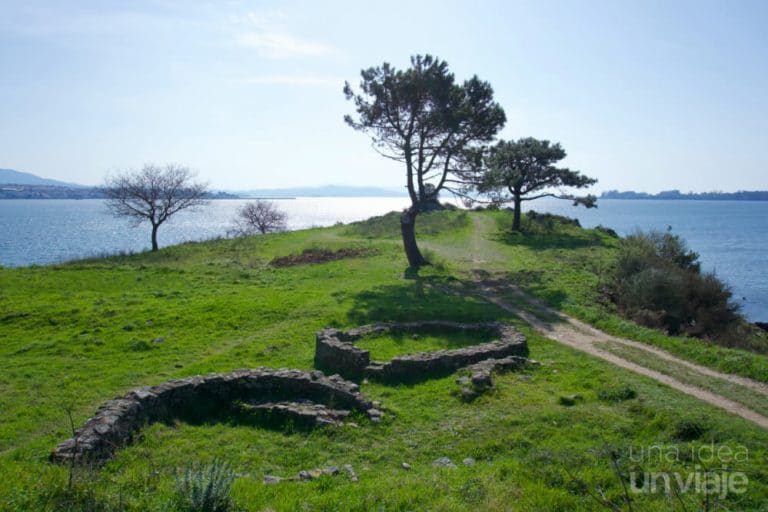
(443, 462)
(351, 472)
(570, 400)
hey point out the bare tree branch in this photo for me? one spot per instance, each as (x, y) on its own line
(153, 194)
(259, 217)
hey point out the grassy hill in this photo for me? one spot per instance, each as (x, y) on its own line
(76, 334)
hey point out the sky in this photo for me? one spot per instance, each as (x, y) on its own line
(646, 95)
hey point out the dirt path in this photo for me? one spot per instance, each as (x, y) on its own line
(576, 334)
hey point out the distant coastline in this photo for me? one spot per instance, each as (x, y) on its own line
(742, 195)
(13, 191)
(25, 191)
(24, 185)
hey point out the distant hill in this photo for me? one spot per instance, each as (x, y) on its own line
(741, 195)
(323, 191)
(11, 177)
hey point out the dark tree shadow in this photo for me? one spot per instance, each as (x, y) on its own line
(515, 288)
(533, 281)
(543, 240)
(411, 273)
(211, 409)
(448, 338)
(420, 299)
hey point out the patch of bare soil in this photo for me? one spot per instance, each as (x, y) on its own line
(313, 256)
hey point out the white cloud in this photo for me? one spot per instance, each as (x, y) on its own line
(276, 45)
(304, 81)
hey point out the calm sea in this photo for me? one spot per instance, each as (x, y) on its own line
(730, 236)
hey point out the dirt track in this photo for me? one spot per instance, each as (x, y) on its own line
(576, 334)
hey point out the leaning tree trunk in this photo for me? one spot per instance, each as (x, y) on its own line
(154, 237)
(408, 230)
(516, 218)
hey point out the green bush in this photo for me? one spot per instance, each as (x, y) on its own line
(543, 223)
(658, 283)
(687, 430)
(137, 345)
(205, 488)
(617, 394)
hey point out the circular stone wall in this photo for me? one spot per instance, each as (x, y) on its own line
(335, 351)
(115, 423)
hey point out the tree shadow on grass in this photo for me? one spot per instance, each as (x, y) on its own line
(210, 409)
(532, 281)
(543, 240)
(419, 299)
(409, 342)
(516, 288)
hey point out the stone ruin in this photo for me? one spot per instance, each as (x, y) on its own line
(288, 393)
(305, 398)
(335, 351)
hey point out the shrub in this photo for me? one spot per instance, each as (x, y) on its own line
(205, 488)
(617, 394)
(688, 430)
(137, 345)
(546, 222)
(658, 283)
(606, 230)
(321, 255)
(473, 491)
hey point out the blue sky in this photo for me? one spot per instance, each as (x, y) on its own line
(645, 95)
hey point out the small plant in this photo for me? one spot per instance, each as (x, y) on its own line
(136, 345)
(549, 220)
(617, 394)
(688, 430)
(205, 488)
(437, 262)
(606, 230)
(473, 491)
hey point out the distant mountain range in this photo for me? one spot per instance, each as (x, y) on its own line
(11, 177)
(741, 195)
(24, 185)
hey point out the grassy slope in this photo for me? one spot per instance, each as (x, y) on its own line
(74, 335)
(566, 269)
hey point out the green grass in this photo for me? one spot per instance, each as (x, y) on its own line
(429, 223)
(567, 268)
(77, 334)
(752, 399)
(383, 348)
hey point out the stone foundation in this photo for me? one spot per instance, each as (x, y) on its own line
(295, 395)
(481, 374)
(302, 413)
(116, 421)
(335, 351)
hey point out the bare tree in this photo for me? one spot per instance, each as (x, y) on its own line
(259, 217)
(153, 194)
